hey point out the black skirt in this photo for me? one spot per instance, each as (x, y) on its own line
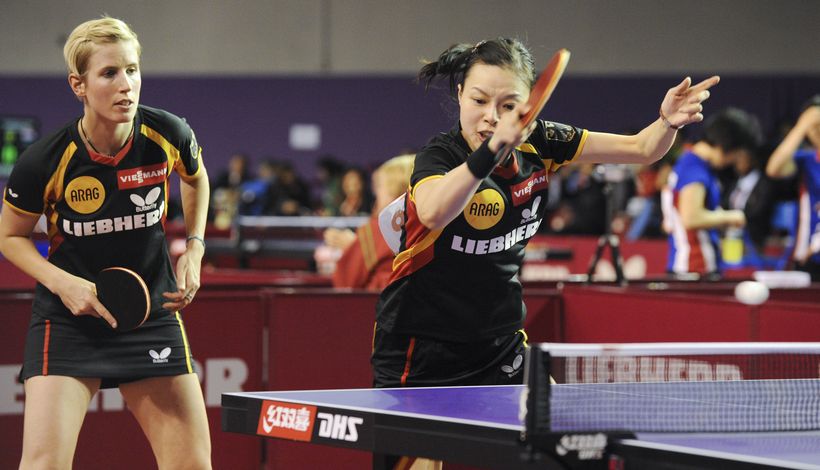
(87, 347)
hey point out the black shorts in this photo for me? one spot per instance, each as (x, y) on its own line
(413, 361)
(86, 347)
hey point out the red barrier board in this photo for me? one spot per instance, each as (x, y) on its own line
(224, 330)
(319, 339)
(619, 315)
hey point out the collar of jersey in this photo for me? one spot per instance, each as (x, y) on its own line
(108, 159)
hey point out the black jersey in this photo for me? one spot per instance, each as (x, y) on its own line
(461, 283)
(106, 211)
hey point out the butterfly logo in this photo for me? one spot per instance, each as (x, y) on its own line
(530, 214)
(513, 369)
(149, 200)
(160, 357)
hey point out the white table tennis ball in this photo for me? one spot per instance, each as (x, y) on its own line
(751, 292)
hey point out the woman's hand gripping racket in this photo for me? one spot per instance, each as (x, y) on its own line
(125, 295)
(540, 94)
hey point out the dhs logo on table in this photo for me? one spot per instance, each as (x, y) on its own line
(339, 427)
(345, 428)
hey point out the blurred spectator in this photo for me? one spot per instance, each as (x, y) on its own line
(643, 210)
(329, 182)
(357, 199)
(291, 194)
(238, 172)
(582, 206)
(225, 190)
(619, 188)
(258, 196)
(691, 200)
(366, 261)
(794, 156)
(755, 194)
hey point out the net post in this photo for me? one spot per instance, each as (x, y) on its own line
(536, 405)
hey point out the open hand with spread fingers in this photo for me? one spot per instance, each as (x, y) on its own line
(683, 104)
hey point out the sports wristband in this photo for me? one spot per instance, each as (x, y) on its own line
(482, 162)
(194, 237)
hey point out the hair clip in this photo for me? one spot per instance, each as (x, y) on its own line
(477, 45)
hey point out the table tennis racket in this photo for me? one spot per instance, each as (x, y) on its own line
(541, 91)
(125, 295)
(545, 85)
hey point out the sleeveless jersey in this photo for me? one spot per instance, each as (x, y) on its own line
(461, 283)
(106, 211)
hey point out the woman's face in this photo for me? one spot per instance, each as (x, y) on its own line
(111, 85)
(352, 183)
(488, 92)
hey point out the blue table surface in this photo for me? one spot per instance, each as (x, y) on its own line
(497, 406)
(489, 406)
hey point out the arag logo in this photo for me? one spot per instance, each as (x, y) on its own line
(485, 209)
(84, 194)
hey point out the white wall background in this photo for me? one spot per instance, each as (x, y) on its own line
(332, 37)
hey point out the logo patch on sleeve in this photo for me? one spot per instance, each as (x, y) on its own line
(558, 132)
(194, 146)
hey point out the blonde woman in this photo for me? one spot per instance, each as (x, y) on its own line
(102, 182)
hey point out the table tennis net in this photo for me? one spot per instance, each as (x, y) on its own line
(673, 387)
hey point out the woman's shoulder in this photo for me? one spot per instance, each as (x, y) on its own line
(164, 122)
(51, 144)
(446, 143)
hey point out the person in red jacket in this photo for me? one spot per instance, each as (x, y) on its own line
(366, 261)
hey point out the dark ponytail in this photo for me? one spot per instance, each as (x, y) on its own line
(455, 62)
(451, 63)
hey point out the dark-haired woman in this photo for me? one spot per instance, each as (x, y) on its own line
(799, 152)
(453, 311)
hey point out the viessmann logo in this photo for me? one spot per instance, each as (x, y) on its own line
(286, 420)
(522, 192)
(142, 176)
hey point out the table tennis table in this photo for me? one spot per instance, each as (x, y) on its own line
(480, 426)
